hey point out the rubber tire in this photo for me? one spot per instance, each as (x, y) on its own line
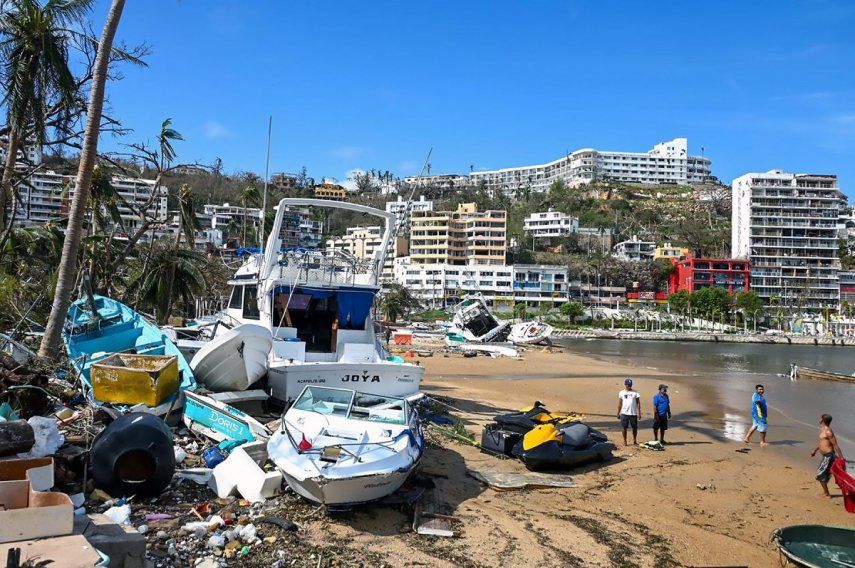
(140, 439)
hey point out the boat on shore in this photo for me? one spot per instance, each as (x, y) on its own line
(342, 447)
(233, 360)
(476, 323)
(819, 375)
(97, 327)
(817, 546)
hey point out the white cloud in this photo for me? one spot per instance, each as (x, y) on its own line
(214, 130)
(347, 152)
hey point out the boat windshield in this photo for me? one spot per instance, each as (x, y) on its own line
(354, 405)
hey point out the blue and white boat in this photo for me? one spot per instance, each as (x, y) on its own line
(97, 328)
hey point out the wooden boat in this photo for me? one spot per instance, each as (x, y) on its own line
(817, 546)
(97, 328)
(234, 360)
(819, 375)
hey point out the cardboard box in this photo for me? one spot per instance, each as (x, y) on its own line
(25, 513)
(62, 552)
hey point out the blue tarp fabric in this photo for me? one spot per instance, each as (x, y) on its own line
(353, 305)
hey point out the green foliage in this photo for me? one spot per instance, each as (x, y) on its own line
(748, 302)
(430, 315)
(397, 302)
(519, 310)
(711, 301)
(680, 301)
(572, 310)
(149, 283)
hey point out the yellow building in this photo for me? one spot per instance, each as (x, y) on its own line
(668, 251)
(330, 191)
(462, 237)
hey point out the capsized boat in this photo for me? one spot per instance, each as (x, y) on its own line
(317, 306)
(475, 322)
(817, 546)
(233, 360)
(820, 375)
(98, 327)
(550, 447)
(344, 447)
(530, 332)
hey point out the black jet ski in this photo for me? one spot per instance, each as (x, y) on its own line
(548, 446)
(523, 421)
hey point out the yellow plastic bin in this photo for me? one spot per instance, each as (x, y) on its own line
(126, 378)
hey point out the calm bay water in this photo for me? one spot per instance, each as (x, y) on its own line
(726, 374)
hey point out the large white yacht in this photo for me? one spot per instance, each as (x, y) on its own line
(318, 309)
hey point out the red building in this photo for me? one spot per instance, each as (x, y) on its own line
(692, 274)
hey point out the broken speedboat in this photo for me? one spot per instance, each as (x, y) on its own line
(343, 447)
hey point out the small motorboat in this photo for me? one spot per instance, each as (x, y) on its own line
(530, 332)
(817, 546)
(820, 375)
(343, 447)
(97, 327)
(549, 447)
(233, 360)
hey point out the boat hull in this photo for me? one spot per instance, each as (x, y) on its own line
(349, 491)
(817, 546)
(234, 360)
(819, 375)
(529, 333)
(287, 380)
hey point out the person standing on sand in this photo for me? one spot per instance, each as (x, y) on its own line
(629, 411)
(830, 450)
(661, 412)
(758, 414)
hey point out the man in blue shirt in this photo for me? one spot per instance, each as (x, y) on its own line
(661, 412)
(758, 415)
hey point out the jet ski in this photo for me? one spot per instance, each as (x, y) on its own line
(551, 446)
(523, 421)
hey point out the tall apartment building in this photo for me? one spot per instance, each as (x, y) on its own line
(786, 224)
(550, 224)
(361, 242)
(33, 152)
(635, 250)
(46, 196)
(464, 236)
(403, 210)
(666, 163)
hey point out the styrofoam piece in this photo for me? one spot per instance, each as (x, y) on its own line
(241, 472)
(48, 438)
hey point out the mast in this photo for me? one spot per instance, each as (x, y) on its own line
(266, 177)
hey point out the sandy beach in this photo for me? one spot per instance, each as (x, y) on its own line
(641, 509)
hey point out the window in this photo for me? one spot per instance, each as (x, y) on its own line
(235, 300)
(250, 302)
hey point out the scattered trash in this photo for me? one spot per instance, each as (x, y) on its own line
(133, 456)
(6, 412)
(505, 481)
(199, 475)
(127, 378)
(213, 456)
(142, 529)
(654, 445)
(704, 487)
(121, 515)
(242, 472)
(180, 454)
(16, 437)
(281, 523)
(47, 437)
(26, 513)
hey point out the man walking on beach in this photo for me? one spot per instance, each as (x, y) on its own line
(758, 415)
(830, 450)
(629, 410)
(661, 412)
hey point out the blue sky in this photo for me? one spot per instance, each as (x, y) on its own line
(759, 85)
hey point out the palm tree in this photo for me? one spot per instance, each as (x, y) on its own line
(168, 273)
(188, 223)
(35, 73)
(249, 196)
(68, 263)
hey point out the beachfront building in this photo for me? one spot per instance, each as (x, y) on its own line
(786, 225)
(403, 211)
(634, 250)
(535, 284)
(465, 236)
(330, 191)
(443, 182)
(692, 274)
(550, 224)
(847, 290)
(668, 251)
(226, 214)
(46, 196)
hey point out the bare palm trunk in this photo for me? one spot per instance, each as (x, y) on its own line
(68, 263)
(8, 174)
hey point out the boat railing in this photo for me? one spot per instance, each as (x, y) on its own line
(319, 268)
(210, 306)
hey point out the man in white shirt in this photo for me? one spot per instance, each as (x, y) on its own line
(629, 410)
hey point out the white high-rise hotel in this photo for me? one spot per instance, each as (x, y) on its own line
(667, 162)
(786, 224)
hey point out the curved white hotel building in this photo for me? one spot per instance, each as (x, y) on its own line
(666, 163)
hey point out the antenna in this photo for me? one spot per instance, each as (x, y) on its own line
(266, 177)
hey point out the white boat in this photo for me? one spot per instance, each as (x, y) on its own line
(475, 322)
(344, 447)
(318, 309)
(530, 332)
(491, 349)
(233, 360)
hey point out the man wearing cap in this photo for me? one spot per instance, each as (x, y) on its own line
(661, 412)
(629, 410)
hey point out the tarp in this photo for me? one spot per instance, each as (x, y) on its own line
(508, 480)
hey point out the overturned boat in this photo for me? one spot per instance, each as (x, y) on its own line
(233, 360)
(344, 447)
(97, 327)
(476, 323)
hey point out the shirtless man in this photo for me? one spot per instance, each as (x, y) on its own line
(830, 450)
